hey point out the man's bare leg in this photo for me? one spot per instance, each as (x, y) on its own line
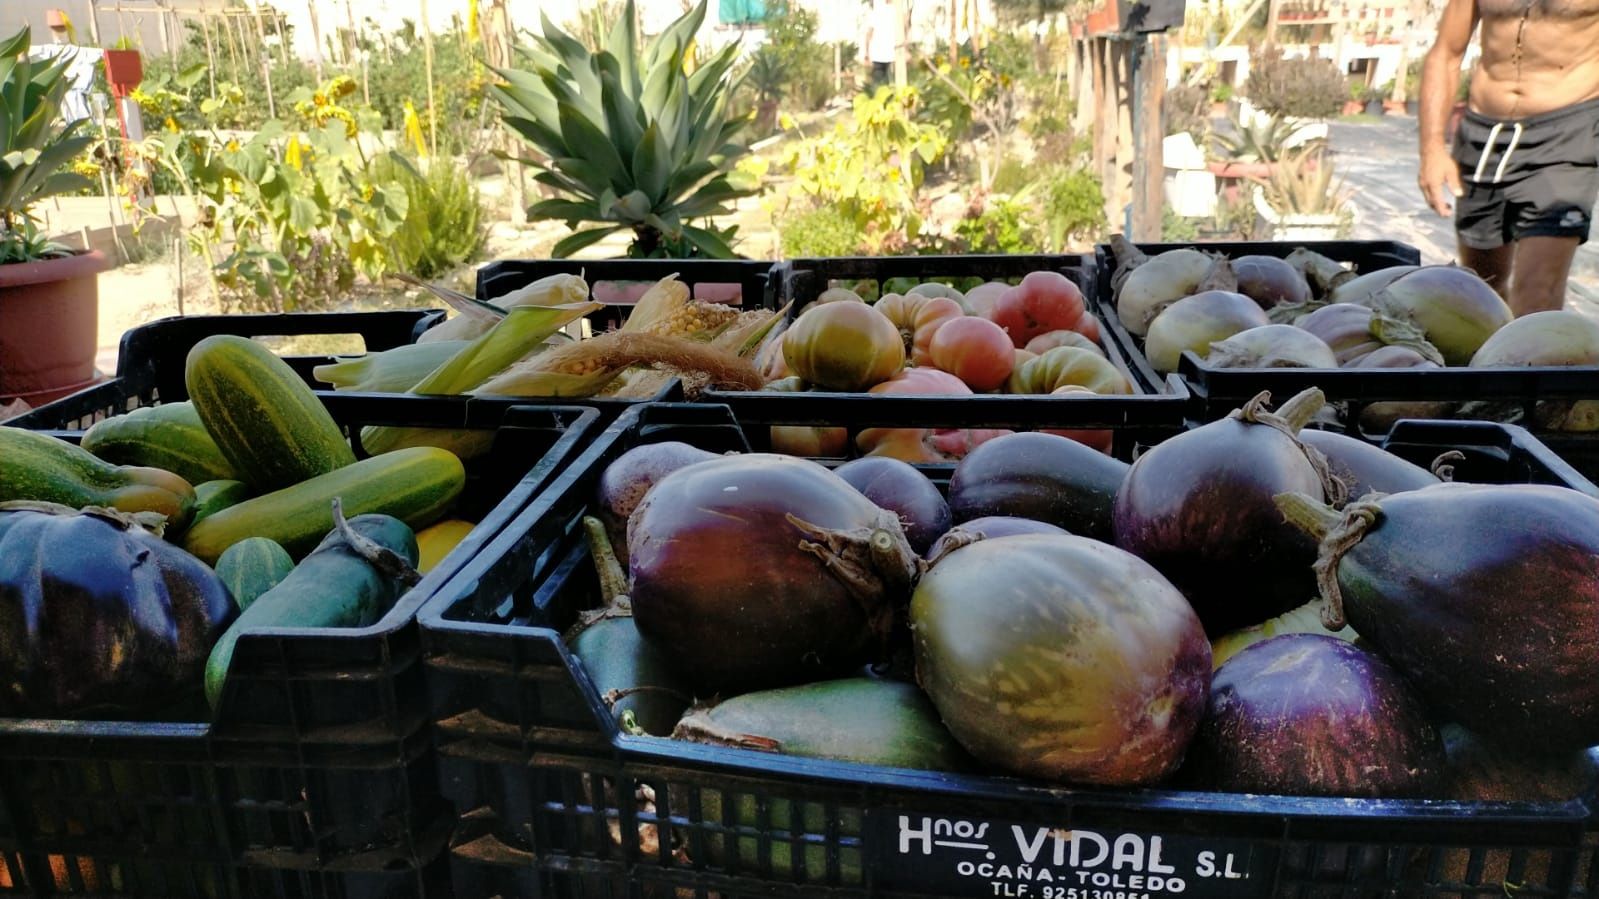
(1492, 265)
(1541, 267)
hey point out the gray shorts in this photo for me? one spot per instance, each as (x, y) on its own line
(1531, 177)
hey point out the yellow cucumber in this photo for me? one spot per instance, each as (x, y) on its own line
(416, 485)
(265, 420)
(434, 543)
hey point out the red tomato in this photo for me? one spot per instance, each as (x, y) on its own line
(1100, 440)
(843, 346)
(918, 318)
(1043, 302)
(975, 350)
(922, 444)
(800, 440)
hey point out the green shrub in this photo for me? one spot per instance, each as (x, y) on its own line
(1013, 176)
(1187, 109)
(1002, 227)
(443, 225)
(821, 231)
(807, 63)
(1177, 229)
(1072, 206)
(1300, 88)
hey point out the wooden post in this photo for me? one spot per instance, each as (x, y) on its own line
(210, 50)
(954, 32)
(316, 39)
(1149, 168)
(901, 51)
(233, 47)
(283, 37)
(266, 63)
(1273, 12)
(427, 50)
(94, 22)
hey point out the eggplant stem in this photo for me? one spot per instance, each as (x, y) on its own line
(613, 581)
(1220, 276)
(1128, 257)
(387, 562)
(1299, 410)
(1304, 512)
(1323, 274)
(876, 564)
(1393, 331)
(1358, 518)
(1443, 467)
(612, 697)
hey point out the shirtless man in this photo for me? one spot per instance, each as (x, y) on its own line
(1524, 167)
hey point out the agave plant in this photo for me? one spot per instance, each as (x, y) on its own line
(1304, 185)
(1262, 142)
(630, 138)
(35, 147)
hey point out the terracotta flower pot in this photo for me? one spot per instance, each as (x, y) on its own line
(49, 317)
(1353, 107)
(1254, 171)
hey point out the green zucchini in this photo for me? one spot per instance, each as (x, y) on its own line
(212, 497)
(252, 567)
(169, 437)
(268, 424)
(416, 485)
(335, 586)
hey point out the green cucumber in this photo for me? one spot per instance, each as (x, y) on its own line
(263, 417)
(416, 485)
(212, 497)
(169, 437)
(252, 567)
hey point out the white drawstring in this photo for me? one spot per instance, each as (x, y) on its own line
(1482, 161)
(1488, 148)
(1515, 138)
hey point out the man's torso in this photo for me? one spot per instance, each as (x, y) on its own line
(1537, 56)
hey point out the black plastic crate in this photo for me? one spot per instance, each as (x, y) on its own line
(316, 775)
(151, 362)
(1362, 255)
(556, 801)
(747, 283)
(1143, 416)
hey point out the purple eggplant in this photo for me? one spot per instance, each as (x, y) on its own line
(1365, 468)
(1199, 508)
(1312, 715)
(1485, 597)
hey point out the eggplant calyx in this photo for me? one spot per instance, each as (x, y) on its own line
(875, 563)
(387, 562)
(1219, 277)
(1443, 467)
(1288, 313)
(953, 539)
(1394, 331)
(1290, 419)
(696, 727)
(1323, 274)
(1358, 518)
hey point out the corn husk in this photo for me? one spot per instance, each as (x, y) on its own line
(523, 330)
(391, 371)
(603, 358)
(475, 320)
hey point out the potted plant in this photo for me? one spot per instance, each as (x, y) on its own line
(1221, 97)
(1357, 97)
(1373, 97)
(1251, 151)
(767, 77)
(49, 294)
(1303, 201)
